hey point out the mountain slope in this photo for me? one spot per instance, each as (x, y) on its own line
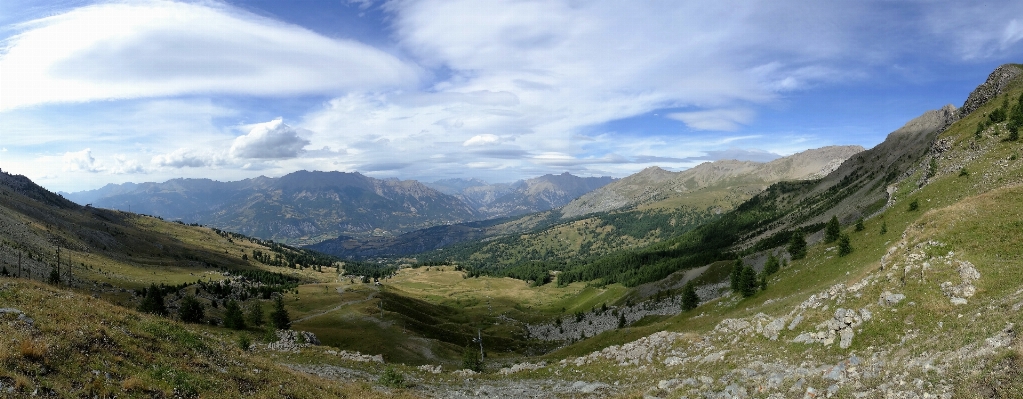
(651, 205)
(301, 207)
(655, 184)
(859, 188)
(543, 193)
(524, 196)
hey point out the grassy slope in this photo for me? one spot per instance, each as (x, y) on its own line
(81, 346)
(975, 218)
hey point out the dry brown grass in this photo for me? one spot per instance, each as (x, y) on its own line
(22, 383)
(32, 349)
(132, 384)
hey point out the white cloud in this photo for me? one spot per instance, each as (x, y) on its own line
(717, 119)
(976, 30)
(184, 157)
(481, 139)
(126, 166)
(542, 74)
(270, 140)
(1013, 33)
(80, 161)
(162, 48)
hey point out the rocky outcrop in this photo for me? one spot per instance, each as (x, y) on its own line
(996, 82)
(292, 341)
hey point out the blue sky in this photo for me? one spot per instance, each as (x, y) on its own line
(107, 92)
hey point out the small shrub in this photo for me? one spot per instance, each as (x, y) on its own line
(392, 378)
(471, 360)
(913, 206)
(963, 172)
(859, 225)
(270, 335)
(244, 342)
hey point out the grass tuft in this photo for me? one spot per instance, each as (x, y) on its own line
(33, 350)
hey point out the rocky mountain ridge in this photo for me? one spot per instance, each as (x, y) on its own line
(524, 196)
(655, 184)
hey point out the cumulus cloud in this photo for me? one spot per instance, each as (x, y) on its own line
(185, 158)
(81, 161)
(162, 48)
(270, 140)
(124, 165)
(481, 139)
(717, 119)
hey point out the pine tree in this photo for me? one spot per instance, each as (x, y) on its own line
(797, 245)
(844, 246)
(914, 205)
(859, 224)
(832, 230)
(621, 320)
(884, 228)
(254, 314)
(1015, 120)
(279, 316)
(191, 310)
(233, 317)
(689, 298)
(153, 302)
(772, 265)
(748, 281)
(736, 275)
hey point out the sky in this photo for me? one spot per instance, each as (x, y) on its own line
(93, 93)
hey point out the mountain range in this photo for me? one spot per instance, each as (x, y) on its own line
(644, 207)
(308, 207)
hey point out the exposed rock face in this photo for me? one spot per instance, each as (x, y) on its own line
(656, 184)
(995, 83)
(292, 341)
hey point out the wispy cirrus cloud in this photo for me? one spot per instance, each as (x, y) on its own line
(163, 48)
(499, 89)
